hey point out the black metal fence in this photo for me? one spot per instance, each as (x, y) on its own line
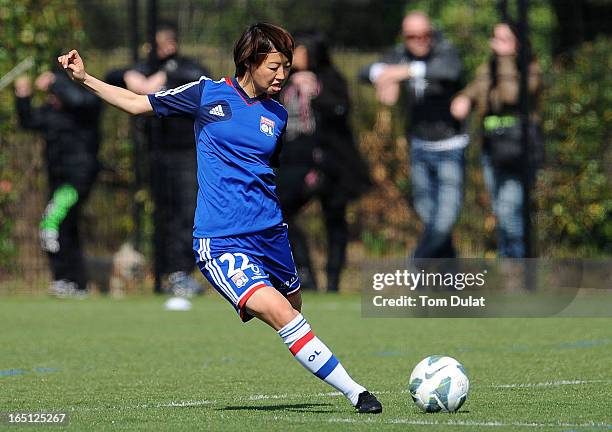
(382, 223)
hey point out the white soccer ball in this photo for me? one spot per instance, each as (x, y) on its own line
(439, 383)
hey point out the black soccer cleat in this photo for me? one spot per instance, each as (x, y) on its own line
(368, 404)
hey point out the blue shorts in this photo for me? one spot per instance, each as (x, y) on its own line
(237, 266)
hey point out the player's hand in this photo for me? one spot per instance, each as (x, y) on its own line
(460, 107)
(44, 81)
(23, 87)
(73, 65)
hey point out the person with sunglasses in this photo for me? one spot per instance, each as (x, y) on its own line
(429, 71)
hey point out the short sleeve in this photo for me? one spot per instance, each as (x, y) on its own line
(180, 101)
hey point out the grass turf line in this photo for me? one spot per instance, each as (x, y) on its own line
(129, 365)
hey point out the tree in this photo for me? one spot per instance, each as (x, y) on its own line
(580, 21)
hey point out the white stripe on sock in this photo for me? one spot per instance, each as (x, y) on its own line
(315, 355)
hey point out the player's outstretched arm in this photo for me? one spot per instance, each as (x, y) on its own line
(121, 98)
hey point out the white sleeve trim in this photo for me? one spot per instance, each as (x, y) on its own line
(180, 88)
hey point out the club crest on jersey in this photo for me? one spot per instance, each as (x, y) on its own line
(266, 126)
(240, 279)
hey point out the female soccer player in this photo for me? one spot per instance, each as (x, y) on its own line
(240, 240)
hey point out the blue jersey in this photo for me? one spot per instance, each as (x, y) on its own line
(236, 143)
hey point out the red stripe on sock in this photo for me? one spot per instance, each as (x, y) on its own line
(299, 344)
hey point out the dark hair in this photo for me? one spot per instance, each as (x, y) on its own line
(317, 47)
(259, 40)
(168, 26)
(493, 61)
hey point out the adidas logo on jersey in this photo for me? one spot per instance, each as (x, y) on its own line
(218, 111)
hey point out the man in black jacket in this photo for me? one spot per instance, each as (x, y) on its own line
(69, 121)
(429, 71)
(171, 152)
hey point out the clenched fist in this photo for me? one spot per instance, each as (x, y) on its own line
(73, 65)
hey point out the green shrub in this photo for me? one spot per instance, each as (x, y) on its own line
(574, 191)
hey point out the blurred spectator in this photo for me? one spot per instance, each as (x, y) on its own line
(172, 161)
(69, 122)
(495, 94)
(428, 68)
(320, 158)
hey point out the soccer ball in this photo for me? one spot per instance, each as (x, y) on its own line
(439, 383)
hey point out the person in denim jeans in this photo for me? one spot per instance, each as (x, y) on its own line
(437, 184)
(506, 189)
(495, 95)
(428, 70)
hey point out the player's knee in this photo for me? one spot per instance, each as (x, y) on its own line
(271, 307)
(291, 314)
(286, 315)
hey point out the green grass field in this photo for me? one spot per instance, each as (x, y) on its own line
(129, 365)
